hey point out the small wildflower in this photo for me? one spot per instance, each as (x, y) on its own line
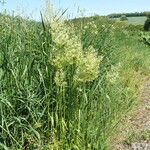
(103, 26)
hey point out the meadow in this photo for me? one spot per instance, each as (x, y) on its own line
(138, 20)
(66, 85)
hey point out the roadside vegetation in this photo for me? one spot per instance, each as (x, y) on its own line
(66, 85)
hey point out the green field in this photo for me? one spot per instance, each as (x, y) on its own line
(66, 85)
(135, 20)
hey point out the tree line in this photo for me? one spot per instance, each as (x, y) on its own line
(135, 14)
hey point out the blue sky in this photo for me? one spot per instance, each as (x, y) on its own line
(88, 7)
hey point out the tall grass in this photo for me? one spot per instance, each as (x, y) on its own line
(66, 85)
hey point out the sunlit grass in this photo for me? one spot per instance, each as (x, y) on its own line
(67, 85)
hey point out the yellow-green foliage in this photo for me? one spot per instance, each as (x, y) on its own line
(68, 50)
(113, 75)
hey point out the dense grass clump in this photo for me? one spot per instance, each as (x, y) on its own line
(66, 84)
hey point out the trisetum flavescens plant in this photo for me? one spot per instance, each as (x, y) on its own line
(74, 67)
(67, 50)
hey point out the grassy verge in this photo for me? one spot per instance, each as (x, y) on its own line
(67, 85)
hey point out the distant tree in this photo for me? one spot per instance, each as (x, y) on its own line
(148, 15)
(123, 18)
(135, 14)
(2, 2)
(147, 23)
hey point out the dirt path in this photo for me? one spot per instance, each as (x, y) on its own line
(136, 132)
(142, 118)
